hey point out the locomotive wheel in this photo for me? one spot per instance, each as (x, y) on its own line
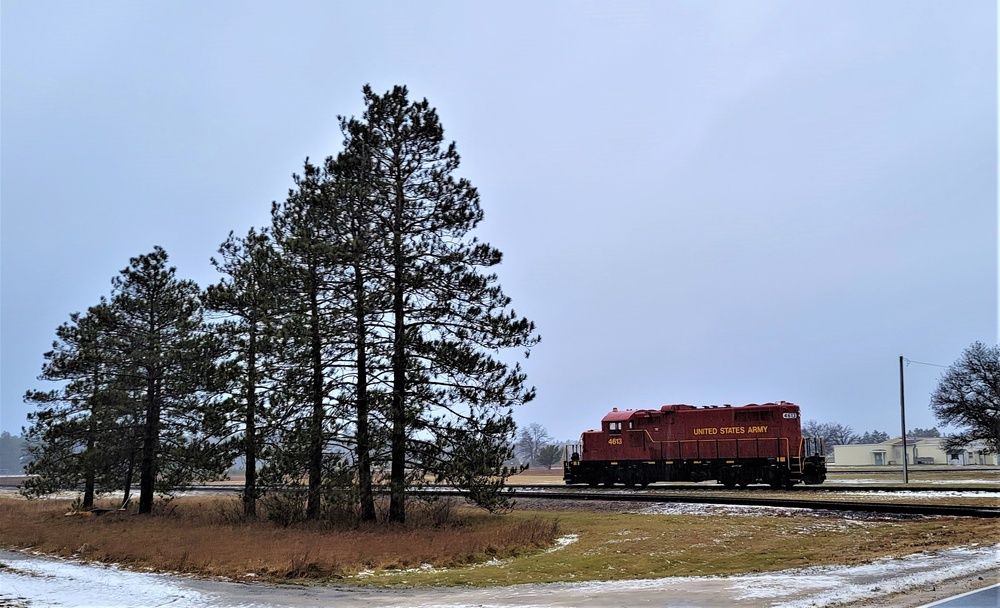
(780, 480)
(728, 477)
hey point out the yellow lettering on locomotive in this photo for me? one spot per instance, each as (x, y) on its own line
(615, 441)
(758, 429)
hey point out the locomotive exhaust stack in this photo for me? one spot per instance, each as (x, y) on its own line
(732, 445)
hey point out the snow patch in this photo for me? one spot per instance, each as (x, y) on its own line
(51, 582)
(830, 585)
(924, 494)
(562, 542)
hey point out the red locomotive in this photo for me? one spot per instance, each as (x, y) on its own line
(734, 445)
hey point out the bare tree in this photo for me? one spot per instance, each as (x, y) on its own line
(530, 440)
(840, 434)
(832, 433)
(968, 396)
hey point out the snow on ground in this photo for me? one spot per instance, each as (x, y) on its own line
(867, 480)
(923, 494)
(754, 511)
(832, 585)
(38, 581)
(682, 508)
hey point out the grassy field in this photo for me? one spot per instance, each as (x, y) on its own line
(445, 544)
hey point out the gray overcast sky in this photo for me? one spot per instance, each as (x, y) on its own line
(698, 202)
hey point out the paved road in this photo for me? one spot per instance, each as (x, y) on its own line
(983, 598)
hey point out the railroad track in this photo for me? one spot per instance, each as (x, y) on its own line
(669, 495)
(661, 489)
(713, 487)
(816, 505)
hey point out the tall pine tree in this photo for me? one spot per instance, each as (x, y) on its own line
(313, 325)
(170, 359)
(451, 396)
(80, 435)
(248, 297)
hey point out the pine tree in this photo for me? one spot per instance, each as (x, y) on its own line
(313, 324)
(447, 316)
(76, 436)
(170, 359)
(549, 455)
(248, 297)
(361, 256)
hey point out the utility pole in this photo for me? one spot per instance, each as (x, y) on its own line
(902, 420)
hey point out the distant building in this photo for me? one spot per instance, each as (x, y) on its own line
(919, 450)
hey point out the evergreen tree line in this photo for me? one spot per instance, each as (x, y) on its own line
(11, 454)
(351, 347)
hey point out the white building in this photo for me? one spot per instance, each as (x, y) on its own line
(919, 450)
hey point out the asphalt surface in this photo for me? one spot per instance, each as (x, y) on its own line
(982, 598)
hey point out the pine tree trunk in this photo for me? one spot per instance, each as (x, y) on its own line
(316, 424)
(397, 474)
(89, 474)
(365, 494)
(89, 481)
(150, 435)
(250, 461)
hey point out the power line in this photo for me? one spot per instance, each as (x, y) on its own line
(908, 361)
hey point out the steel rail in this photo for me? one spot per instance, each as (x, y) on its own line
(827, 487)
(820, 505)
(664, 496)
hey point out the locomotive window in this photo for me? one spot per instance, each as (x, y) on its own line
(615, 428)
(630, 425)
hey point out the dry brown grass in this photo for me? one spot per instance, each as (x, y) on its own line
(539, 476)
(203, 536)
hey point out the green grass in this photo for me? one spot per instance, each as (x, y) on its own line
(632, 546)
